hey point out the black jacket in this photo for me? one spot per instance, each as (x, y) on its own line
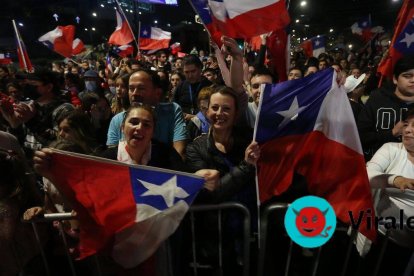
(376, 121)
(235, 173)
(182, 95)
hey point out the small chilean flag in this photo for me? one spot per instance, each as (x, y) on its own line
(124, 50)
(5, 59)
(123, 33)
(152, 38)
(241, 18)
(60, 40)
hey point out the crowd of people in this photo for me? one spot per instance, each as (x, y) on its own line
(195, 114)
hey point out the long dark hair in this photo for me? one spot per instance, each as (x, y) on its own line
(16, 182)
(80, 123)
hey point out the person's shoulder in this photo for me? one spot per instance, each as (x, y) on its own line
(200, 140)
(109, 153)
(118, 116)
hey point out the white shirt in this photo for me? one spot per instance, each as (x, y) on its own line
(390, 161)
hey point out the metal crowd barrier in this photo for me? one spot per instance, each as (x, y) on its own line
(246, 232)
(268, 210)
(409, 270)
(47, 218)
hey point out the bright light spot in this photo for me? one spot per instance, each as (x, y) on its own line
(21, 24)
(168, 24)
(93, 29)
(297, 21)
(155, 21)
(389, 42)
(395, 1)
(102, 5)
(303, 3)
(330, 30)
(350, 46)
(86, 29)
(140, 13)
(299, 38)
(130, 11)
(114, 8)
(330, 44)
(318, 36)
(94, 14)
(306, 26)
(293, 31)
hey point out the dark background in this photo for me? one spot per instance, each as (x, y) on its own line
(317, 17)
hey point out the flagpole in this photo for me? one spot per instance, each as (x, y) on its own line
(20, 45)
(205, 27)
(126, 19)
(139, 36)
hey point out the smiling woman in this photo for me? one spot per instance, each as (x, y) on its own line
(393, 166)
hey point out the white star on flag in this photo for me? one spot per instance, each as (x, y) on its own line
(145, 32)
(317, 42)
(291, 114)
(409, 38)
(168, 190)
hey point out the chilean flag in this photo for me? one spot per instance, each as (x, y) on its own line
(60, 40)
(242, 18)
(175, 48)
(124, 50)
(77, 46)
(123, 33)
(315, 46)
(307, 126)
(363, 28)
(152, 38)
(5, 59)
(402, 41)
(124, 210)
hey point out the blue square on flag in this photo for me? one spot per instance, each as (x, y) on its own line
(405, 41)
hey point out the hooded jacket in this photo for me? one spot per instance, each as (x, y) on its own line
(375, 122)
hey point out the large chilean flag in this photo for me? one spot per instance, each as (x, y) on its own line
(241, 18)
(306, 126)
(124, 210)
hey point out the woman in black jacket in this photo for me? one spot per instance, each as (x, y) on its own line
(226, 148)
(229, 150)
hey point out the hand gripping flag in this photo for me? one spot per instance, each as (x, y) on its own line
(152, 38)
(306, 126)
(60, 40)
(402, 42)
(125, 210)
(123, 33)
(242, 18)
